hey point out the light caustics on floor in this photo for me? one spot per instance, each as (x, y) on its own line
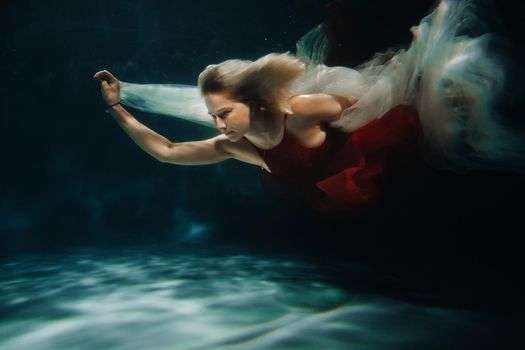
(146, 300)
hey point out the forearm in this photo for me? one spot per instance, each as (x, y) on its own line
(147, 139)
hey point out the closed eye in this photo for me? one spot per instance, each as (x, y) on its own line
(221, 115)
(224, 114)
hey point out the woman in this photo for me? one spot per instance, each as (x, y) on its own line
(245, 124)
(336, 136)
(286, 135)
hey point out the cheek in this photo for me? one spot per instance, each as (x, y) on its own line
(241, 121)
(247, 118)
(246, 122)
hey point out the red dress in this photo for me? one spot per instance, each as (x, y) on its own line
(348, 171)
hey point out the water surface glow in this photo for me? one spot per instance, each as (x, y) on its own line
(149, 300)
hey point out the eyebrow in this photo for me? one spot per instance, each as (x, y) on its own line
(220, 110)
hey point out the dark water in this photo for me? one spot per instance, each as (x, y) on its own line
(148, 299)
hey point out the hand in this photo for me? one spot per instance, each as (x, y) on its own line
(109, 87)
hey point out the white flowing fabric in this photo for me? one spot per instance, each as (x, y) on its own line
(176, 100)
(449, 78)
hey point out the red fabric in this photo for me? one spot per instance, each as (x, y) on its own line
(346, 174)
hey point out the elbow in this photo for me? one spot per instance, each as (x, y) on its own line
(160, 158)
(163, 154)
(343, 102)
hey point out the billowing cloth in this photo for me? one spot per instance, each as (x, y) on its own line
(451, 78)
(348, 171)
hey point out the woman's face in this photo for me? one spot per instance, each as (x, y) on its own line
(231, 118)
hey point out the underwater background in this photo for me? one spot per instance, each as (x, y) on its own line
(103, 246)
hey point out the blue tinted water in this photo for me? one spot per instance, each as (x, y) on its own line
(137, 299)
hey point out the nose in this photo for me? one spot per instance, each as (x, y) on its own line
(219, 123)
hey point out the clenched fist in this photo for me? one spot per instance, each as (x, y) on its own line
(109, 87)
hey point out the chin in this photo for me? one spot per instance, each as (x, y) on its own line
(234, 137)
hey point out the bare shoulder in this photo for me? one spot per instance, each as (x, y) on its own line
(308, 104)
(242, 150)
(313, 109)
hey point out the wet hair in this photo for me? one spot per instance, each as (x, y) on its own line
(265, 82)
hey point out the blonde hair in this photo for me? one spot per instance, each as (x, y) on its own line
(265, 82)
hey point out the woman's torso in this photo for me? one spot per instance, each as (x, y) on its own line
(302, 153)
(309, 153)
(307, 138)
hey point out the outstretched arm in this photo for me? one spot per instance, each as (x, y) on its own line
(185, 153)
(182, 153)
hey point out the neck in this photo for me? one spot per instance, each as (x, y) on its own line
(266, 129)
